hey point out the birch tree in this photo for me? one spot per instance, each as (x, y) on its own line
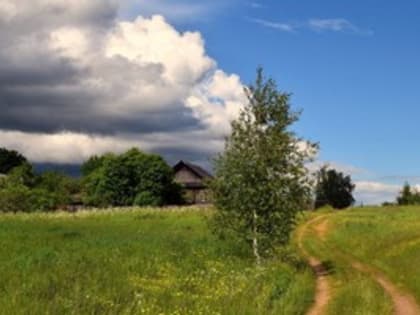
(261, 181)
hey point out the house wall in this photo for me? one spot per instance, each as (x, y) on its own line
(196, 196)
(184, 176)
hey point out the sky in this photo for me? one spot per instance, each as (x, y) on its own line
(86, 77)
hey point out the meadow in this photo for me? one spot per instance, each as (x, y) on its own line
(140, 261)
(387, 238)
(384, 238)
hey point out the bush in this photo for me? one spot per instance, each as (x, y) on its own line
(146, 198)
(22, 199)
(15, 198)
(43, 200)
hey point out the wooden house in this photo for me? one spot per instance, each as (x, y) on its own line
(194, 180)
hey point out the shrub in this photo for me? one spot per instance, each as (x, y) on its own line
(44, 200)
(146, 198)
(15, 198)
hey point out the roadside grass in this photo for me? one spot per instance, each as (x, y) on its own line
(352, 292)
(140, 261)
(387, 238)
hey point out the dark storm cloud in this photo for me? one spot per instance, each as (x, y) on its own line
(43, 109)
(42, 71)
(47, 93)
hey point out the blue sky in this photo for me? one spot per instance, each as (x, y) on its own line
(353, 67)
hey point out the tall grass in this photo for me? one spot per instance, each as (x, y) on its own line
(138, 262)
(388, 238)
(351, 292)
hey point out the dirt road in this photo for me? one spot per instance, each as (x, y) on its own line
(403, 302)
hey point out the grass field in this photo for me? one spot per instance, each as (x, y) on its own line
(388, 239)
(138, 262)
(351, 292)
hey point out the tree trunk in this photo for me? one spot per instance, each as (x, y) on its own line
(255, 240)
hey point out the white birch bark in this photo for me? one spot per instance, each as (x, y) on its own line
(255, 240)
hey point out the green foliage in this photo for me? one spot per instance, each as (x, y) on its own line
(20, 198)
(333, 188)
(58, 188)
(408, 196)
(94, 163)
(261, 181)
(138, 262)
(22, 190)
(45, 200)
(146, 198)
(21, 175)
(14, 198)
(9, 160)
(120, 180)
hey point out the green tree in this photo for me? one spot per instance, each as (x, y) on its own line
(333, 188)
(94, 162)
(22, 175)
(14, 198)
(408, 196)
(10, 159)
(261, 181)
(131, 178)
(60, 186)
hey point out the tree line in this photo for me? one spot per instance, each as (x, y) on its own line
(133, 178)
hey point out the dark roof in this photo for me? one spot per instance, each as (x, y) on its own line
(197, 170)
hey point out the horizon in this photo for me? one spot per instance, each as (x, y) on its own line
(79, 79)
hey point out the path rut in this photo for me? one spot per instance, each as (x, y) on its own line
(323, 289)
(403, 302)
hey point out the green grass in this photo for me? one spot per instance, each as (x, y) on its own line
(352, 292)
(138, 262)
(387, 238)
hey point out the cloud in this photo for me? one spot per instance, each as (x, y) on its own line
(284, 27)
(72, 147)
(371, 192)
(336, 25)
(256, 5)
(74, 76)
(346, 169)
(316, 25)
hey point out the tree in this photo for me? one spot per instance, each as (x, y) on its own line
(60, 187)
(9, 160)
(94, 162)
(22, 190)
(408, 196)
(14, 198)
(333, 188)
(261, 180)
(22, 175)
(131, 178)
